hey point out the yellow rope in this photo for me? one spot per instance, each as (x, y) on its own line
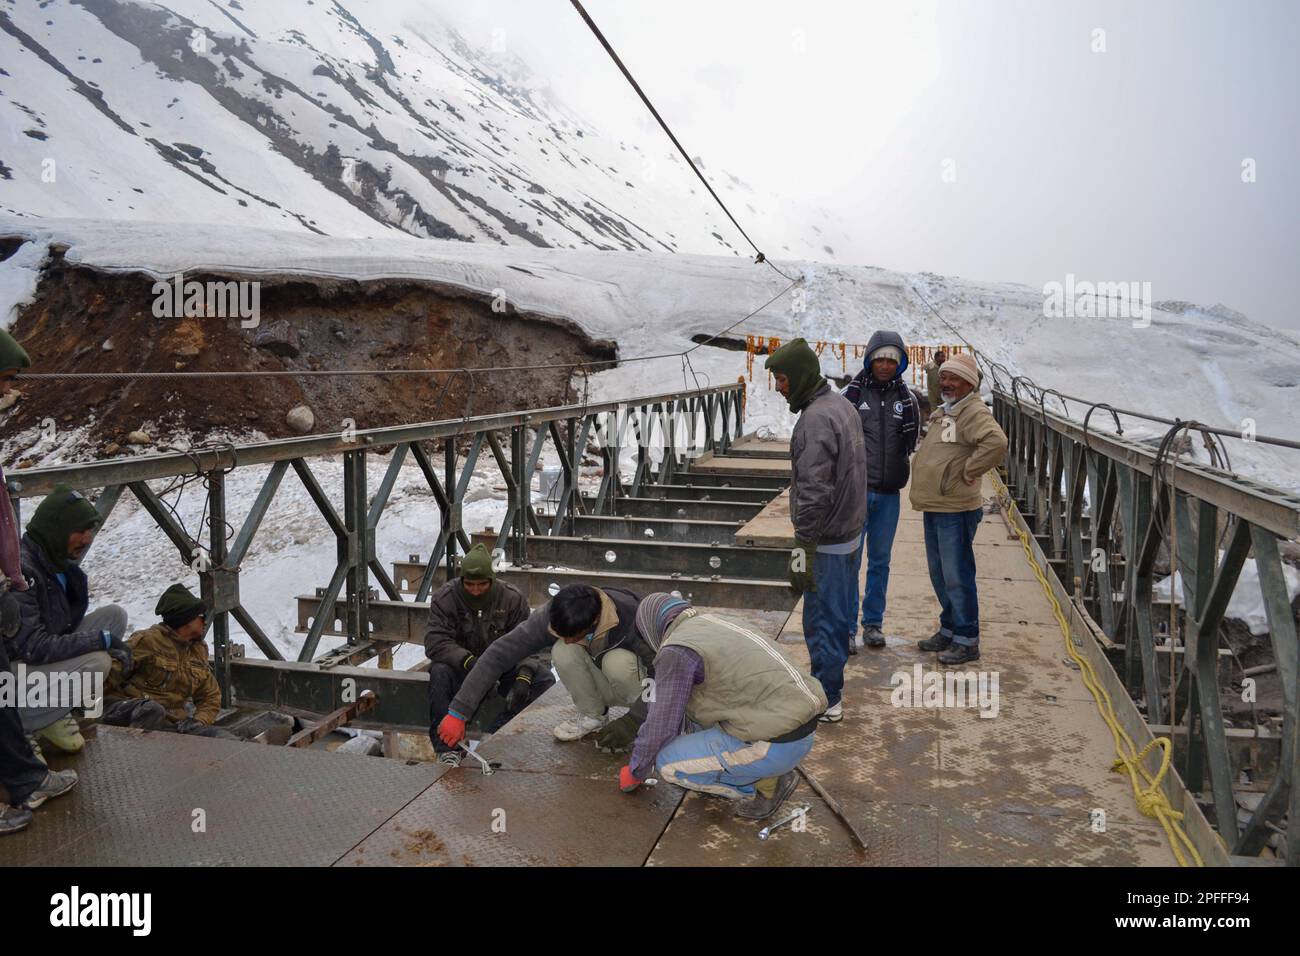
(1151, 799)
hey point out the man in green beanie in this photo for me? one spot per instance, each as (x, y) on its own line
(466, 615)
(168, 685)
(828, 506)
(56, 634)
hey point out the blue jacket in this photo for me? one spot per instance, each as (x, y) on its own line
(890, 415)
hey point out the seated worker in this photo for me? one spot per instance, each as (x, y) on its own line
(466, 616)
(750, 714)
(25, 782)
(55, 634)
(596, 651)
(168, 675)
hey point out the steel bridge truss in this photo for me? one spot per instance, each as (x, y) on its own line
(1087, 496)
(668, 431)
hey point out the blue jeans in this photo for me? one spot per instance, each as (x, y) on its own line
(713, 761)
(828, 616)
(878, 538)
(950, 552)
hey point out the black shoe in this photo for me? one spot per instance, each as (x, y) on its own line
(937, 641)
(853, 645)
(960, 654)
(872, 637)
(759, 807)
(451, 758)
(13, 819)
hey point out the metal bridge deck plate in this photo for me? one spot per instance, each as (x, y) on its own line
(517, 818)
(135, 804)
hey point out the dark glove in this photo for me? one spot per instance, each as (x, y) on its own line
(618, 734)
(520, 690)
(801, 566)
(468, 662)
(120, 651)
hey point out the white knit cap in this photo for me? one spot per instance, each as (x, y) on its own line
(888, 352)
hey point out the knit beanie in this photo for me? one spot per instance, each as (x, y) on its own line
(178, 606)
(12, 355)
(799, 363)
(61, 513)
(963, 364)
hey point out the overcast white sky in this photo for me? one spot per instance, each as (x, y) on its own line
(1116, 166)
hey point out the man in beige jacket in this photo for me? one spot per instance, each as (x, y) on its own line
(963, 442)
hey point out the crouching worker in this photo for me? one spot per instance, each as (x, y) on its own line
(55, 634)
(467, 616)
(750, 714)
(600, 658)
(168, 675)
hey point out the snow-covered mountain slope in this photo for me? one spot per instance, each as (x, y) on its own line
(1211, 365)
(336, 117)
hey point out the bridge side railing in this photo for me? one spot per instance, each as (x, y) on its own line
(667, 431)
(1088, 496)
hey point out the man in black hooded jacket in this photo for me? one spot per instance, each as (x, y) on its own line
(57, 633)
(890, 415)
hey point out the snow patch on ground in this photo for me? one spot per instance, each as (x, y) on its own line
(19, 275)
(1247, 602)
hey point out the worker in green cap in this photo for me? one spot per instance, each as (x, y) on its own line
(828, 506)
(466, 615)
(169, 684)
(57, 633)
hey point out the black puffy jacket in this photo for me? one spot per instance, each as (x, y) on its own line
(889, 413)
(51, 612)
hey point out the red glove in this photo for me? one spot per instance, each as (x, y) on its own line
(626, 782)
(452, 730)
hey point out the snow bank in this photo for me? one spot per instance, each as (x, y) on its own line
(1209, 365)
(19, 275)
(1247, 602)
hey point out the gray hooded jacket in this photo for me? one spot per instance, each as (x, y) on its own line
(828, 496)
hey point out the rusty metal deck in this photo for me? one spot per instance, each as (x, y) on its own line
(142, 796)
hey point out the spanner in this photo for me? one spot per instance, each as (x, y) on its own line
(766, 832)
(487, 767)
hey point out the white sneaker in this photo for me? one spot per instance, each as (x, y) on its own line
(577, 729)
(834, 714)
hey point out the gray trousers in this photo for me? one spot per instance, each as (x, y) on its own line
(615, 682)
(75, 671)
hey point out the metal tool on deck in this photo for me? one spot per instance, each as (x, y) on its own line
(790, 817)
(834, 806)
(488, 769)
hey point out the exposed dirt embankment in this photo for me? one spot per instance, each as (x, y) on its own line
(83, 321)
